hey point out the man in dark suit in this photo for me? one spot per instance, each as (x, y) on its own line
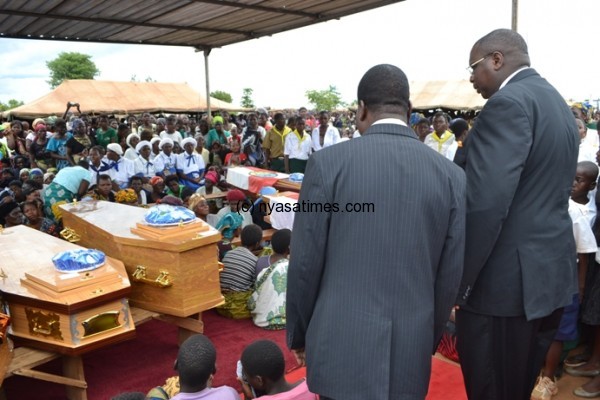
(520, 254)
(370, 290)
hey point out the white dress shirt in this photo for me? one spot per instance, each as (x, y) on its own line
(332, 136)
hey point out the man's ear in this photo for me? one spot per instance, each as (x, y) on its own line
(498, 60)
(409, 112)
(592, 186)
(361, 111)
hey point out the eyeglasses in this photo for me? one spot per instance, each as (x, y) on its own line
(471, 68)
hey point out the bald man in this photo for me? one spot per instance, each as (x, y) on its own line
(520, 259)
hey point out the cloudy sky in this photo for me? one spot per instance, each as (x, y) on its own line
(428, 39)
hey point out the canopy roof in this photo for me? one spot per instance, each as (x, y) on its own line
(203, 24)
(96, 97)
(453, 95)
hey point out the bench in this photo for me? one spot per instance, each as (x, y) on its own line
(267, 235)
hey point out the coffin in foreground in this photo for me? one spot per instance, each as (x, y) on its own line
(173, 270)
(68, 313)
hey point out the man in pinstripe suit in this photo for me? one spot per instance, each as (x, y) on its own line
(369, 292)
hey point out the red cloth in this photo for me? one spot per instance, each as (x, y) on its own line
(255, 183)
(243, 157)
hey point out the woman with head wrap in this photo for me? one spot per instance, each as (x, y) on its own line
(217, 134)
(198, 204)
(10, 214)
(80, 143)
(48, 178)
(24, 174)
(165, 163)
(39, 156)
(38, 123)
(158, 189)
(231, 223)
(155, 146)
(132, 140)
(36, 175)
(190, 165)
(211, 179)
(144, 166)
(121, 169)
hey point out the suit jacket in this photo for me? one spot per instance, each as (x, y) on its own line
(520, 255)
(369, 292)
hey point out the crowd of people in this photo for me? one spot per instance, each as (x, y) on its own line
(491, 216)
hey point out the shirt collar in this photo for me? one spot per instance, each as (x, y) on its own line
(395, 121)
(512, 76)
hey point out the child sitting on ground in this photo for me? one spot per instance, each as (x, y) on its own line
(263, 368)
(267, 303)
(196, 367)
(585, 242)
(238, 275)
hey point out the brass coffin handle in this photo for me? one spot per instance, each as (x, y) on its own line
(101, 323)
(70, 235)
(161, 281)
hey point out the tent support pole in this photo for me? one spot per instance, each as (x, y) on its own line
(207, 79)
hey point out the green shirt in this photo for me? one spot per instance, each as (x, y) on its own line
(104, 138)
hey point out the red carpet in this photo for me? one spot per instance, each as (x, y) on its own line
(147, 361)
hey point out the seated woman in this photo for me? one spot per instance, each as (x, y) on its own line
(143, 196)
(35, 219)
(238, 275)
(267, 304)
(190, 166)
(211, 179)
(231, 219)
(263, 368)
(132, 140)
(10, 214)
(198, 204)
(103, 190)
(174, 188)
(158, 189)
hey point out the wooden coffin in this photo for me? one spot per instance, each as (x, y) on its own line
(285, 185)
(67, 313)
(173, 270)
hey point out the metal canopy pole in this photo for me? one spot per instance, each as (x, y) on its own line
(207, 79)
(515, 12)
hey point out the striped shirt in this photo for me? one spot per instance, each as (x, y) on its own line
(239, 270)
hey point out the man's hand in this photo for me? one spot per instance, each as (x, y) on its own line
(300, 357)
(245, 389)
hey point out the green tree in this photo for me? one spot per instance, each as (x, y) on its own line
(221, 95)
(325, 100)
(12, 103)
(247, 101)
(71, 65)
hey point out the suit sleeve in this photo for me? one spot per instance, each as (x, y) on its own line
(498, 149)
(307, 256)
(450, 269)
